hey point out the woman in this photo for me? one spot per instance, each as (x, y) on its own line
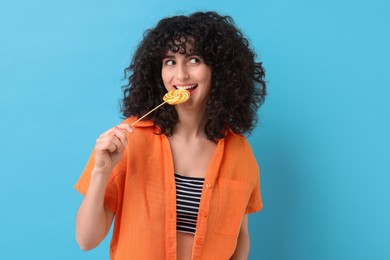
(180, 183)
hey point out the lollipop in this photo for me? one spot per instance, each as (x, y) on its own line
(176, 96)
(173, 97)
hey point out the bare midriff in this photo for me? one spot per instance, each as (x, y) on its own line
(185, 242)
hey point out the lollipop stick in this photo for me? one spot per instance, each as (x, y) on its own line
(139, 119)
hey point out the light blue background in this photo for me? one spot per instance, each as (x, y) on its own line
(322, 143)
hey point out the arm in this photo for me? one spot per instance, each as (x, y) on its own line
(93, 220)
(243, 243)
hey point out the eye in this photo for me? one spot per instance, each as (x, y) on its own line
(194, 60)
(169, 62)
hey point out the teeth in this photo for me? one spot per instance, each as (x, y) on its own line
(185, 87)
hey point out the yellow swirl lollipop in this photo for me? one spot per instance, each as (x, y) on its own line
(176, 96)
(173, 97)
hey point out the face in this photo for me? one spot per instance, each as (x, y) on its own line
(187, 72)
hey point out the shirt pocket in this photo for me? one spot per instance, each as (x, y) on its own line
(233, 200)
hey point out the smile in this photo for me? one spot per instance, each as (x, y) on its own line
(190, 88)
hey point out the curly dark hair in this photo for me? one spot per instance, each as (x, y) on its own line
(237, 89)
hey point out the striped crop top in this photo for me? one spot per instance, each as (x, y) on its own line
(188, 191)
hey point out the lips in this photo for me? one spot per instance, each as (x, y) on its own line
(190, 88)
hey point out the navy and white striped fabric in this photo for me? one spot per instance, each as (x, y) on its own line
(188, 191)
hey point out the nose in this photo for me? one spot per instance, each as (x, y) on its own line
(181, 72)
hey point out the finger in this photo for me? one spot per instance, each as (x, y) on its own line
(112, 147)
(120, 134)
(105, 142)
(128, 128)
(117, 142)
(125, 127)
(107, 146)
(109, 131)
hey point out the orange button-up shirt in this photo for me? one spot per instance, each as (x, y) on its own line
(142, 193)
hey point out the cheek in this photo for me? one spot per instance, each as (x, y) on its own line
(207, 76)
(206, 71)
(203, 75)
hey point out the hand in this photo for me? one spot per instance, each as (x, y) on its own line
(110, 146)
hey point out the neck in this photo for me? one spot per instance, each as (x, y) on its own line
(191, 122)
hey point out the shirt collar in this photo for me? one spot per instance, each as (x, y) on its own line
(142, 123)
(150, 123)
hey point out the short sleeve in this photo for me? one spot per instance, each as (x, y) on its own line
(113, 185)
(255, 202)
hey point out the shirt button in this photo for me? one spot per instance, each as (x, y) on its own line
(205, 214)
(199, 242)
(208, 185)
